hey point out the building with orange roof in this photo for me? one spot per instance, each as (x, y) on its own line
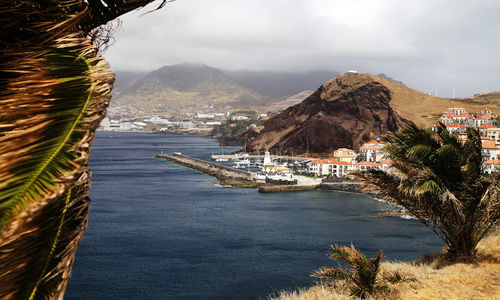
(452, 116)
(490, 150)
(492, 133)
(372, 151)
(344, 154)
(456, 128)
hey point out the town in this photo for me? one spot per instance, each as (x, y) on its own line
(370, 155)
(343, 161)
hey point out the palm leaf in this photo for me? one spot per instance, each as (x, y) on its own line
(438, 179)
(44, 175)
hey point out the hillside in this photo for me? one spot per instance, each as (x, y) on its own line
(348, 110)
(492, 98)
(185, 87)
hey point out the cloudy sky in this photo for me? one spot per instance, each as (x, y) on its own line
(427, 44)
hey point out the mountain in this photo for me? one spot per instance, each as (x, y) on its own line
(349, 110)
(280, 84)
(389, 78)
(188, 86)
(124, 80)
(184, 87)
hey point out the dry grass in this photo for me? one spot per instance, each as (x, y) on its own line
(435, 278)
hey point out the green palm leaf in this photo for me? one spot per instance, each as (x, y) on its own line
(55, 91)
(438, 179)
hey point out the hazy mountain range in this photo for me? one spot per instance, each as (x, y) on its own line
(187, 86)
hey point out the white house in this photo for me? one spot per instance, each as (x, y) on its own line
(491, 166)
(371, 151)
(339, 168)
(320, 167)
(492, 133)
(490, 150)
(456, 128)
(344, 154)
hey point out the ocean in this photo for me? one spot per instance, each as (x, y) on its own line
(158, 230)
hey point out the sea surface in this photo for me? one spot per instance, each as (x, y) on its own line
(158, 230)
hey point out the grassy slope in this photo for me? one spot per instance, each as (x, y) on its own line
(480, 280)
(418, 107)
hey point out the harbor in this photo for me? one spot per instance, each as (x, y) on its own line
(272, 177)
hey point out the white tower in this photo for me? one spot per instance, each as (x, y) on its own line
(267, 158)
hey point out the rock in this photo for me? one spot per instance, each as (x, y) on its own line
(344, 112)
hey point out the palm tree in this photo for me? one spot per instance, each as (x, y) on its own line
(438, 179)
(363, 273)
(54, 93)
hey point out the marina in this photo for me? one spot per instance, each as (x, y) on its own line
(270, 181)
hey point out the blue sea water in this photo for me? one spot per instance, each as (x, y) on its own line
(158, 230)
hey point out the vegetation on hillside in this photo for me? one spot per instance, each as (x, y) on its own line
(237, 132)
(433, 277)
(363, 276)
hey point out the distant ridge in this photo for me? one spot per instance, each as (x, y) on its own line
(281, 84)
(184, 87)
(188, 86)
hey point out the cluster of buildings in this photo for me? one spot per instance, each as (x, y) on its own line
(197, 123)
(346, 160)
(457, 120)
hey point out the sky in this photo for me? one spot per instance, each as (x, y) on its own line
(427, 44)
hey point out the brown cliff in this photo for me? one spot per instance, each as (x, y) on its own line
(344, 112)
(347, 111)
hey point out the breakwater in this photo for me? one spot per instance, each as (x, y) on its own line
(286, 188)
(226, 175)
(344, 186)
(234, 177)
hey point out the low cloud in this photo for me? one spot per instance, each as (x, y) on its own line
(427, 44)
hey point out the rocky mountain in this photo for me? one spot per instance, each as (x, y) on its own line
(347, 111)
(184, 87)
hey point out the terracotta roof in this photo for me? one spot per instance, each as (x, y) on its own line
(337, 162)
(368, 163)
(486, 125)
(492, 162)
(456, 125)
(345, 155)
(375, 142)
(489, 145)
(321, 161)
(330, 162)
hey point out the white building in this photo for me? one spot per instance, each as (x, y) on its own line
(456, 128)
(492, 133)
(239, 118)
(372, 151)
(490, 150)
(491, 166)
(344, 154)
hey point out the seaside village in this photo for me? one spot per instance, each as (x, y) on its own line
(370, 154)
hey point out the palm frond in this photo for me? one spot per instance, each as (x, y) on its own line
(438, 179)
(332, 274)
